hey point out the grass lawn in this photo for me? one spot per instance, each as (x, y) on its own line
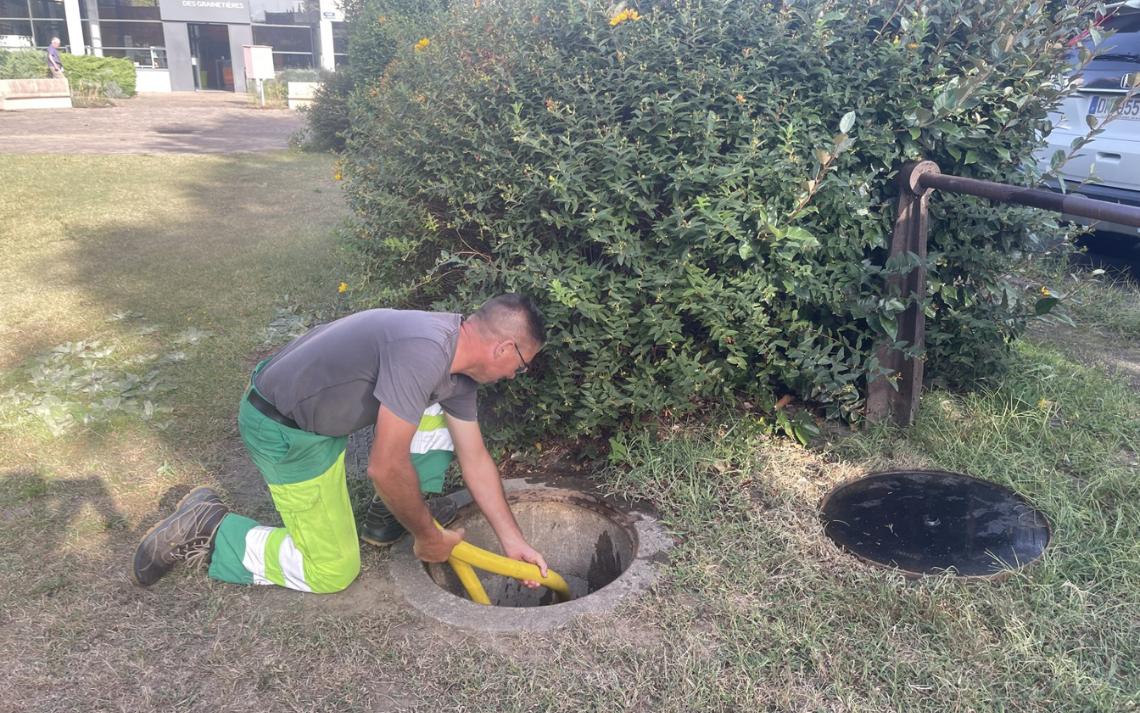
(139, 291)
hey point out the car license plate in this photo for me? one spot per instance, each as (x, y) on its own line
(1102, 106)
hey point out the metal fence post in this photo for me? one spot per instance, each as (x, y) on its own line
(896, 396)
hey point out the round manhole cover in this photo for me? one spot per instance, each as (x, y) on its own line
(932, 522)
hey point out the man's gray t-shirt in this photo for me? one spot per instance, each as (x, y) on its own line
(333, 379)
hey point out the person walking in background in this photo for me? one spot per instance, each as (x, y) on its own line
(55, 64)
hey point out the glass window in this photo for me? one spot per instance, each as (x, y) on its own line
(128, 10)
(282, 12)
(19, 33)
(132, 34)
(44, 30)
(284, 39)
(14, 8)
(138, 56)
(340, 38)
(284, 60)
(48, 8)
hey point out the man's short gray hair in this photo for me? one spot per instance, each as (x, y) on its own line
(511, 316)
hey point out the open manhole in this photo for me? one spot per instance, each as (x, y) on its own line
(603, 553)
(933, 522)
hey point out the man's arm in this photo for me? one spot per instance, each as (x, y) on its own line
(486, 487)
(391, 471)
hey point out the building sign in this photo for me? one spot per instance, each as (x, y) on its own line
(332, 10)
(205, 10)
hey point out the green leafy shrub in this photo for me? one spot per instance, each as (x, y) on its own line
(23, 64)
(114, 77)
(698, 194)
(327, 117)
(299, 75)
(377, 29)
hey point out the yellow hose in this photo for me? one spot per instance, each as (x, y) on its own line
(466, 555)
(470, 581)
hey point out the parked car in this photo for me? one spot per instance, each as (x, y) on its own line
(1114, 154)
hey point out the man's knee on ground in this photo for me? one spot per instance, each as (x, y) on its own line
(334, 577)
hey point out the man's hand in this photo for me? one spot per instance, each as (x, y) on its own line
(438, 548)
(525, 553)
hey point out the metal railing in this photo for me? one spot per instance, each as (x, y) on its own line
(895, 397)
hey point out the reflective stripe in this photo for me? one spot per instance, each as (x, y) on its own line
(432, 433)
(272, 561)
(293, 566)
(432, 422)
(272, 558)
(254, 557)
(425, 441)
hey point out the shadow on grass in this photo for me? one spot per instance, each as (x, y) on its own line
(206, 245)
(57, 501)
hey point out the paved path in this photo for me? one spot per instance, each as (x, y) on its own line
(179, 122)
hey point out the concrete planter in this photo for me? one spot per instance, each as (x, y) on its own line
(152, 80)
(16, 94)
(301, 93)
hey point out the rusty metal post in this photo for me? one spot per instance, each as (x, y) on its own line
(895, 397)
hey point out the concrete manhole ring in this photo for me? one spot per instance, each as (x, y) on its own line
(605, 555)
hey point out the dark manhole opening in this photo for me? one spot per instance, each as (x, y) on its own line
(587, 542)
(931, 522)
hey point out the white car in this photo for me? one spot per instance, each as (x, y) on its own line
(1112, 157)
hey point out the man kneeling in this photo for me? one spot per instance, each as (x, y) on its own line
(411, 374)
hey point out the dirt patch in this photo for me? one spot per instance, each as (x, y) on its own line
(1118, 356)
(178, 122)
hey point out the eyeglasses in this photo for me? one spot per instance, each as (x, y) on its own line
(525, 364)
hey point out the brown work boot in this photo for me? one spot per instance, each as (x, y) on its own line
(186, 535)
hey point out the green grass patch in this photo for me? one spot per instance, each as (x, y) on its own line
(138, 294)
(160, 280)
(1108, 303)
(786, 606)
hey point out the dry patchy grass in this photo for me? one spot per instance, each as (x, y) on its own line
(756, 610)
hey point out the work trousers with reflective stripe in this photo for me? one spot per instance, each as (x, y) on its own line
(316, 550)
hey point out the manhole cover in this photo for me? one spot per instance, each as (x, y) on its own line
(604, 554)
(931, 522)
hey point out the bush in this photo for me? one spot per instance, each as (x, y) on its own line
(299, 75)
(327, 117)
(112, 77)
(23, 64)
(376, 31)
(698, 193)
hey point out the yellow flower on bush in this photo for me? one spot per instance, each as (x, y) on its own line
(342, 288)
(422, 44)
(623, 16)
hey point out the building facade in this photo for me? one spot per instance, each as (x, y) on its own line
(183, 45)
